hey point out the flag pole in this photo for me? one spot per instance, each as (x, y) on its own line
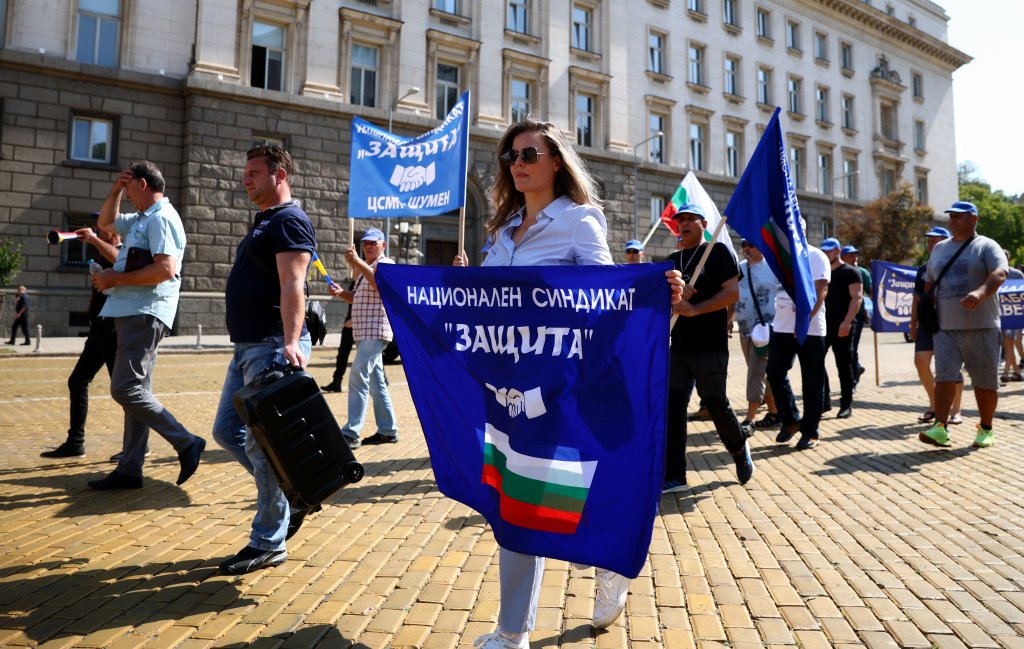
(707, 251)
(352, 241)
(877, 373)
(462, 229)
(652, 230)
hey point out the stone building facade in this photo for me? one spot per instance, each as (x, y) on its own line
(865, 88)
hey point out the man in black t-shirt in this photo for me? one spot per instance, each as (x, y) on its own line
(700, 347)
(845, 293)
(21, 304)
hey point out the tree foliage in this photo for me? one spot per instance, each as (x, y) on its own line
(888, 228)
(999, 217)
(10, 261)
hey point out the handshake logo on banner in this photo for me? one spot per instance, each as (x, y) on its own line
(408, 179)
(530, 402)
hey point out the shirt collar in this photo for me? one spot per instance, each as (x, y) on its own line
(155, 206)
(552, 211)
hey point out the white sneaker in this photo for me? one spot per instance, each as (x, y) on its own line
(610, 599)
(500, 640)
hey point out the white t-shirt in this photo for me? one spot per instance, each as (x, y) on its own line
(785, 310)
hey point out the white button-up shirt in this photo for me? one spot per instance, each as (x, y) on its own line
(565, 234)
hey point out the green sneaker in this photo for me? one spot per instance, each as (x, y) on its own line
(936, 435)
(985, 438)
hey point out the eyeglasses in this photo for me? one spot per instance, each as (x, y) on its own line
(529, 155)
(632, 251)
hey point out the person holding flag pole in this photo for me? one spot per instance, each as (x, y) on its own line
(547, 212)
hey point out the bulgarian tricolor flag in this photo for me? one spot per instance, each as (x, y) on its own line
(537, 493)
(691, 191)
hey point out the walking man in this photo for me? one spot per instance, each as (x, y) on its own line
(845, 292)
(143, 299)
(972, 268)
(756, 306)
(21, 304)
(851, 256)
(372, 333)
(265, 312)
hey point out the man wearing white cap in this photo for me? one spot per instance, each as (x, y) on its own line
(372, 333)
(965, 271)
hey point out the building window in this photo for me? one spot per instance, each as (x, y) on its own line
(921, 189)
(582, 28)
(887, 112)
(764, 23)
(796, 165)
(259, 139)
(656, 145)
(656, 52)
(764, 86)
(99, 28)
(825, 172)
(732, 75)
(518, 16)
(268, 47)
(75, 253)
(730, 15)
(796, 91)
(657, 207)
(917, 85)
(793, 35)
(697, 142)
(821, 112)
(888, 181)
(820, 46)
(848, 112)
(850, 176)
(520, 92)
(3, 22)
(919, 135)
(696, 6)
(846, 56)
(696, 57)
(733, 152)
(365, 71)
(447, 6)
(890, 10)
(447, 89)
(92, 139)
(585, 105)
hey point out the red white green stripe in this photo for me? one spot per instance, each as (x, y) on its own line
(537, 493)
(691, 191)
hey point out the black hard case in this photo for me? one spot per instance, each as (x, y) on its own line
(296, 430)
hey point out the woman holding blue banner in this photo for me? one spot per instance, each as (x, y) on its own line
(547, 213)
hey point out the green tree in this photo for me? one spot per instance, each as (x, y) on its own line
(888, 228)
(10, 261)
(999, 217)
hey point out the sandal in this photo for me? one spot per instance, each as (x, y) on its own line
(1017, 376)
(770, 420)
(1005, 378)
(927, 417)
(956, 419)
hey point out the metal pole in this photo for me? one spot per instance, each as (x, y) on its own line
(39, 338)
(636, 173)
(199, 336)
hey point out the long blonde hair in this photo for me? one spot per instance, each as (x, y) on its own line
(572, 178)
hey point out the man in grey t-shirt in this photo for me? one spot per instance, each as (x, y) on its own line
(969, 317)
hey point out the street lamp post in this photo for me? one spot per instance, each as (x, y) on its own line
(636, 169)
(834, 181)
(391, 110)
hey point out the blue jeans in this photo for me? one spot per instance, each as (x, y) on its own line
(366, 380)
(270, 525)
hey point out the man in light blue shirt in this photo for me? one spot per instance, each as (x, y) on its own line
(142, 297)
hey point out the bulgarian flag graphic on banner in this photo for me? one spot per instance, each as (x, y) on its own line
(691, 191)
(541, 494)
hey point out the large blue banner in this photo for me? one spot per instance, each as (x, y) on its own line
(542, 393)
(1011, 304)
(893, 296)
(392, 176)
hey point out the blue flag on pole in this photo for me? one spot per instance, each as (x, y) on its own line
(392, 176)
(764, 211)
(542, 393)
(893, 296)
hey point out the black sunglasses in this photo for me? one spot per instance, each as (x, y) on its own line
(632, 251)
(529, 155)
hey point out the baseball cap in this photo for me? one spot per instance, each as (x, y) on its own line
(937, 232)
(829, 244)
(848, 249)
(373, 234)
(691, 208)
(962, 207)
(633, 244)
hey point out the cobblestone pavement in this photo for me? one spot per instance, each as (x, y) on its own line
(872, 539)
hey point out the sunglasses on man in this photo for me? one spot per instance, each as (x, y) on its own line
(632, 251)
(529, 154)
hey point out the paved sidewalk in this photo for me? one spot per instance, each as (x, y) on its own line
(872, 539)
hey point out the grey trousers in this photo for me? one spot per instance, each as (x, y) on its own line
(130, 384)
(520, 577)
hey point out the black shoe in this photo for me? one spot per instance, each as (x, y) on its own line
(298, 516)
(747, 428)
(9, 342)
(25, 343)
(116, 457)
(807, 441)
(333, 386)
(189, 459)
(844, 412)
(353, 442)
(377, 438)
(787, 432)
(770, 420)
(65, 450)
(827, 407)
(744, 464)
(250, 559)
(116, 481)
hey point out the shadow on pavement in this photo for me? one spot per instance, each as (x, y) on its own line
(891, 463)
(79, 500)
(321, 636)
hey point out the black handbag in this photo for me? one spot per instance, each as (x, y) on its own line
(927, 310)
